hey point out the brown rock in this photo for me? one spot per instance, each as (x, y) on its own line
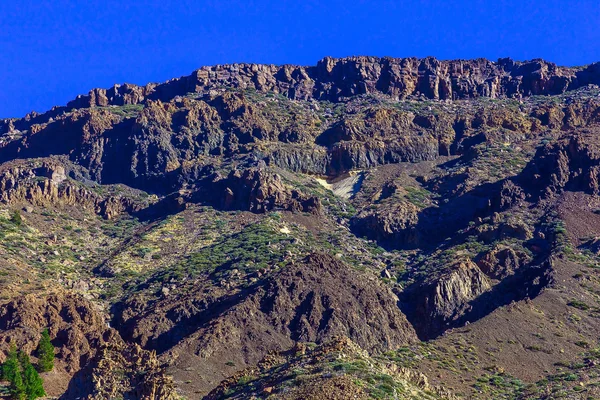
(501, 262)
(311, 301)
(332, 79)
(441, 300)
(88, 351)
(259, 190)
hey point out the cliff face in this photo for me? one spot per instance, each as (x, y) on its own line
(165, 146)
(573, 162)
(45, 183)
(332, 79)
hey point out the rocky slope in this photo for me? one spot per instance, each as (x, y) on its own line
(89, 351)
(300, 376)
(313, 300)
(363, 228)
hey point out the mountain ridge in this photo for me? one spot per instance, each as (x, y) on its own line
(419, 224)
(289, 79)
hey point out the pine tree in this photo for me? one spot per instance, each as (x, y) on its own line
(45, 353)
(34, 385)
(17, 386)
(11, 365)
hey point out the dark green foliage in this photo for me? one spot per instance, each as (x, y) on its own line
(11, 372)
(45, 353)
(17, 386)
(11, 365)
(417, 196)
(255, 247)
(253, 243)
(126, 111)
(579, 305)
(25, 383)
(34, 385)
(499, 386)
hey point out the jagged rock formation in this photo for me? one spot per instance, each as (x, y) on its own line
(395, 225)
(124, 371)
(333, 78)
(258, 190)
(80, 333)
(45, 183)
(382, 136)
(500, 263)
(573, 163)
(446, 298)
(162, 145)
(75, 326)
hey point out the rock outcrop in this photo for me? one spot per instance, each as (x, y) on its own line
(394, 225)
(79, 333)
(438, 302)
(257, 190)
(381, 136)
(76, 327)
(502, 262)
(45, 183)
(570, 163)
(161, 144)
(122, 370)
(332, 79)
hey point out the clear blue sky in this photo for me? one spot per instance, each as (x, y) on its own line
(53, 50)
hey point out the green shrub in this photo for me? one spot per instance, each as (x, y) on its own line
(16, 218)
(578, 304)
(45, 352)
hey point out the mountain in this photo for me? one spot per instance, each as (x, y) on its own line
(363, 228)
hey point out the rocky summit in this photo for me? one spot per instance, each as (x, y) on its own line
(364, 228)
